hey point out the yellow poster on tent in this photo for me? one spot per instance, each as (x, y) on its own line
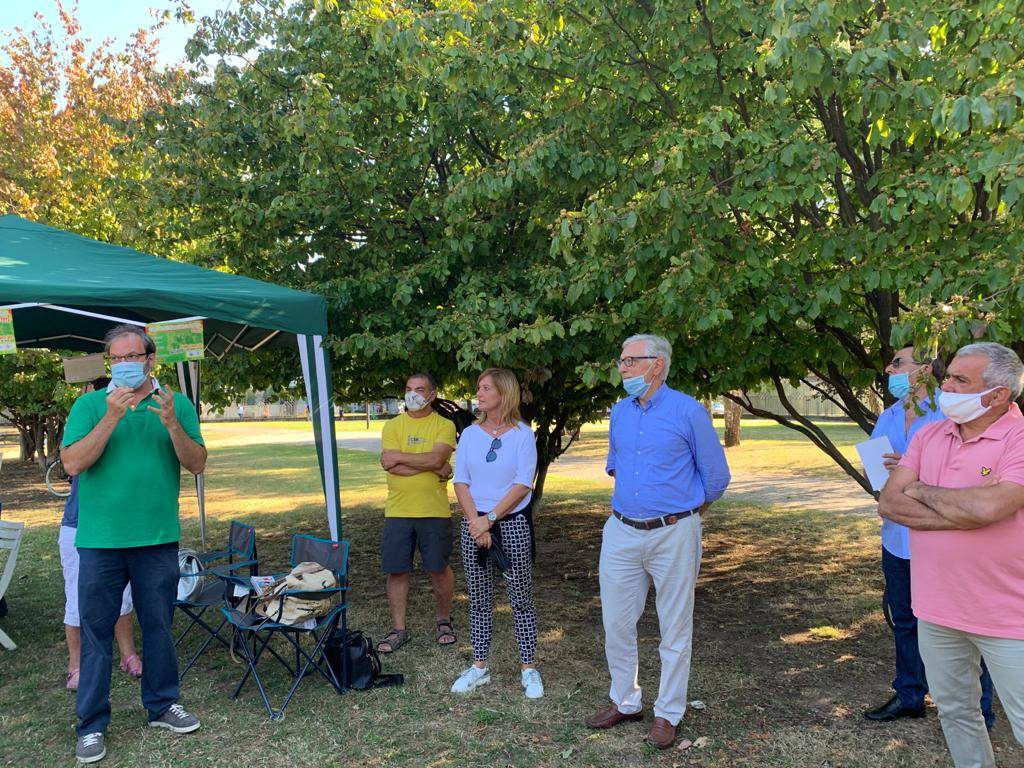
(7, 344)
(177, 342)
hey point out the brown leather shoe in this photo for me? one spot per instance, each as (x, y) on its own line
(610, 717)
(662, 734)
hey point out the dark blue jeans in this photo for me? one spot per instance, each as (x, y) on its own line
(102, 575)
(910, 683)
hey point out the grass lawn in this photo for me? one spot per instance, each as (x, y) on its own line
(765, 447)
(790, 644)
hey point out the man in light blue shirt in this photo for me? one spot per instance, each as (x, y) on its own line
(900, 422)
(669, 466)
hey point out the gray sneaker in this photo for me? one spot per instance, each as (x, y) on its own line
(176, 719)
(89, 748)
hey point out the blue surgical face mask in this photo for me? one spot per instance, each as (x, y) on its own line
(635, 386)
(899, 385)
(127, 374)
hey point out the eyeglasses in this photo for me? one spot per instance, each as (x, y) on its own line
(627, 362)
(899, 362)
(134, 357)
(492, 455)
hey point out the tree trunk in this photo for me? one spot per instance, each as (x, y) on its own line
(733, 412)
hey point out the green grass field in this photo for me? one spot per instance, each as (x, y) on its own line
(790, 643)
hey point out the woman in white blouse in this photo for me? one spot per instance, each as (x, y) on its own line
(494, 470)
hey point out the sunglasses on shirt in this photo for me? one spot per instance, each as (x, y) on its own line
(492, 454)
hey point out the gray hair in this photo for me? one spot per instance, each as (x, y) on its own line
(127, 329)
(656, 346)
(1004, 367)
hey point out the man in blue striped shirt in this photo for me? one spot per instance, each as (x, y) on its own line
(669, 467)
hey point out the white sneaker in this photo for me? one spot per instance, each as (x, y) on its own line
(532, 683)
(472, 678)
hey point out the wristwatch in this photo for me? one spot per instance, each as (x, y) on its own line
(492, 517)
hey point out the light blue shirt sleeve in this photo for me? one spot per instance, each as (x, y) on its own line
(609, 464)
(709, 455)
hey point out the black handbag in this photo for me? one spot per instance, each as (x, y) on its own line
(497, 554)
(355, 663)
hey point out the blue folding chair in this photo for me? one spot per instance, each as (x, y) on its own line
(216, 588)
(257, 631)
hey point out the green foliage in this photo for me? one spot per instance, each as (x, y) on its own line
(785, 190)
(34, 397)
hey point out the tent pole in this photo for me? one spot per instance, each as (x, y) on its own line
(317, 375)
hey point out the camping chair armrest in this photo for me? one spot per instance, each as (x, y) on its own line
(207, 557)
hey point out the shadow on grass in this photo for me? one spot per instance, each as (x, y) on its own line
(789, 647)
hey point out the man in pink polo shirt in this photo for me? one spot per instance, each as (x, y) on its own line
(960, 489)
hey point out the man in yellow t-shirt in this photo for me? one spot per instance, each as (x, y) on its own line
(416, 447)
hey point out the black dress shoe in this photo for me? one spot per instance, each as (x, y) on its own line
(893, 709)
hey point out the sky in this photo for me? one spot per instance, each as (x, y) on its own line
(116, 19)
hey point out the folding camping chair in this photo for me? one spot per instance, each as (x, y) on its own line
(257, 631)
(215, 590)
(10, 539)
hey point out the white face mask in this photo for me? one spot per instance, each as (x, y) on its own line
(962, 408)
(414, 401)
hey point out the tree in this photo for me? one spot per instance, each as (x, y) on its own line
(60, 147)
(348, 153)
(801, 186)
(35, 399)
(733, 414)
(60, 109)
(786, 191)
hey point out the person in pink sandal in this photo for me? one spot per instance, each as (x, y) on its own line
(130, 661)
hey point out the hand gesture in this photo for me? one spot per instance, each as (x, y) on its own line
(479, 526)
(483, 541)
(389, 459)
(891, 460)
(118, 401)
(166, 410)
(445, 472)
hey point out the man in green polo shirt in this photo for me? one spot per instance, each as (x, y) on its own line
(127, 445)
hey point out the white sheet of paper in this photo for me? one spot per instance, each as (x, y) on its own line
(871, 457)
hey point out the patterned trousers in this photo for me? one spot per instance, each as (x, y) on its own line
(515, 541)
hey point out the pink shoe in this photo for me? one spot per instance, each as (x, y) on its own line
(132, 665)
(72, 683)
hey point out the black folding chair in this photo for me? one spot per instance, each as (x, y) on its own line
(216, 589)
(257, 631)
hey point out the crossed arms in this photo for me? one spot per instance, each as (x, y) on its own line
(409, 464)
(908, 501)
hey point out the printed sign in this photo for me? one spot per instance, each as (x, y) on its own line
(177, 342)
(84, 368)
(7, 345)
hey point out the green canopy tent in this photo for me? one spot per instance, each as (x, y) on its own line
(65, 291)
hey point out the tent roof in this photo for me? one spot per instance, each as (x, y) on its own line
(41, 264)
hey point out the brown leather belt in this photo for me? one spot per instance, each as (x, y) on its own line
(657, 522)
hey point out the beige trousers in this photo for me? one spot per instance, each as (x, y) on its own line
(952, 661)
(631, 560)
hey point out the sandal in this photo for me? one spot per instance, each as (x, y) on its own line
(392, 641)
(72, 681)
(132, 666)
(445, 632)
